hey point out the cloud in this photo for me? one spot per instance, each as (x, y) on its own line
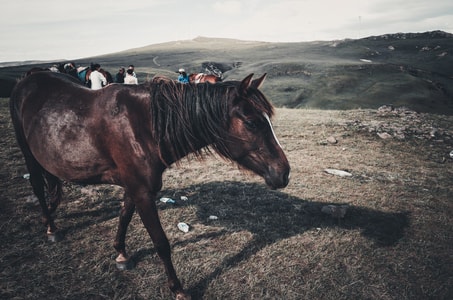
(227, 7)
(55, 29)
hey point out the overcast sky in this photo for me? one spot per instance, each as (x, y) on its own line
(65, 29)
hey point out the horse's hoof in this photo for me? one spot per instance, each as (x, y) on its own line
(183, 296)
(54, 237)
(124, 265)
(123, 262)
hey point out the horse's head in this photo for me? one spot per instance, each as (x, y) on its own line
(252, 142)
(231, 118)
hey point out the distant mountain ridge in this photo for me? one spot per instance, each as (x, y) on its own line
(403, 69)
(429, 34)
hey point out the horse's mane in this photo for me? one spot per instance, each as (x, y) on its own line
(186, 117)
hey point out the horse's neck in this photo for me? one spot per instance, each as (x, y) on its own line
(209, 123)
(190, 128)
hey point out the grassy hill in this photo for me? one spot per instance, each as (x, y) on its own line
(405, 69)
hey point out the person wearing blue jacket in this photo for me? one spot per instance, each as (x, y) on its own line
(183, 77)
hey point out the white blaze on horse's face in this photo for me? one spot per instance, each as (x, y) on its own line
(272, 128)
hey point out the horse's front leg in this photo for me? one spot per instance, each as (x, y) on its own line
(147, 210)
(126, 213)
(55, 191)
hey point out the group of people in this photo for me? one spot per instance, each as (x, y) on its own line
(126, 77)
(97, 77)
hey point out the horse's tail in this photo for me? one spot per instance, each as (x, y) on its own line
(14, 108)
(39, 177)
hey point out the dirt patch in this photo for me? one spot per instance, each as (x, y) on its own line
(395, 241)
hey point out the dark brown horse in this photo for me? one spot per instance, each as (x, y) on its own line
(201, 77)
(128, 135)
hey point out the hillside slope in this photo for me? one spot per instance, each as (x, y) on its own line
(413, 70)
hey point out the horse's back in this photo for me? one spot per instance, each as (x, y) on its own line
(40, 81)
(53, 116)
(35, 90)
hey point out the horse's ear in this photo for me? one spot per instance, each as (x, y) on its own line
(245, 84)
(257, 83)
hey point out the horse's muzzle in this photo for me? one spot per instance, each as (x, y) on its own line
(277, 179)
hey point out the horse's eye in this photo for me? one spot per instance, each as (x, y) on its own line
(250, 124)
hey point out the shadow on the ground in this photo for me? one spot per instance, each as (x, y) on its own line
(272, 216)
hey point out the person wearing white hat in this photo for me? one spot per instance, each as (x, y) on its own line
(183, 77)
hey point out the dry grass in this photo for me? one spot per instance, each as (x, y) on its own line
(395, 241)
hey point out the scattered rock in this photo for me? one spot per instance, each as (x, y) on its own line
(384, 135)
(403, 123)
(385, 109)
(336, 211)
(336, 172)
(183, 227)
(332, 140)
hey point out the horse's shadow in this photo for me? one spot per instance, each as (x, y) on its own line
(272, 216)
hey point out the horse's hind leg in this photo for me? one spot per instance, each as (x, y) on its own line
(38, 184)
(54, 190)
(34, 168)
(126, 213)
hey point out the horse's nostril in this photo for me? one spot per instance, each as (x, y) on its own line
(278, 178)
(286, 178)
